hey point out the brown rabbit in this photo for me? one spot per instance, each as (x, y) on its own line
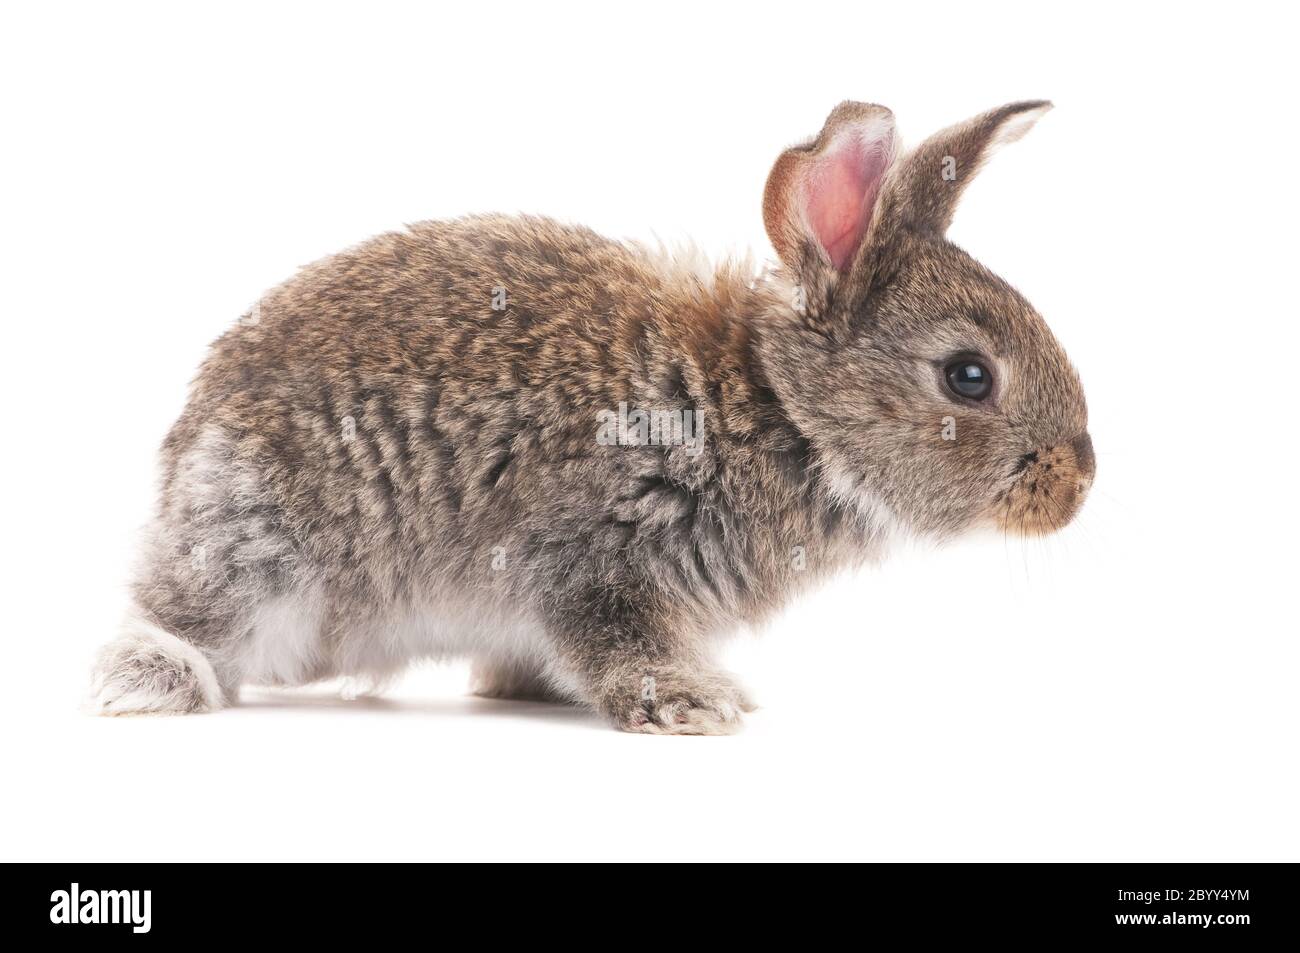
(581, 464)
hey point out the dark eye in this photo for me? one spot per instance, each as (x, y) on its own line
(969, 378)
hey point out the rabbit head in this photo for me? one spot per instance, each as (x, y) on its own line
(931, 391)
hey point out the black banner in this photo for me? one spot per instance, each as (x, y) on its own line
(1223, 904)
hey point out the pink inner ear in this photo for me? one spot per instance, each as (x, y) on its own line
(840, 194)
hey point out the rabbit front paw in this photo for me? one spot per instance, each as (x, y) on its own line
(683, 703)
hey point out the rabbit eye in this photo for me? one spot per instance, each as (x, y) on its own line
(970, 379)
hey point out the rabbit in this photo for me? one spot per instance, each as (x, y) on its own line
(581, 463)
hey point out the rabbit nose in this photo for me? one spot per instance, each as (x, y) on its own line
(1087, 460)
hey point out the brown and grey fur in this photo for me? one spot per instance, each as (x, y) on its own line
(377, 466)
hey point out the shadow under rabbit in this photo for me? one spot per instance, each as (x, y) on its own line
(290, 700)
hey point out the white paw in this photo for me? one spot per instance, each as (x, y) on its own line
(149, 671)
(689, 705)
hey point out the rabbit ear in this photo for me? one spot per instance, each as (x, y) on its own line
(929, 181)
(821, 196)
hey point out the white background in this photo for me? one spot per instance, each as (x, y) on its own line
(1124, 691)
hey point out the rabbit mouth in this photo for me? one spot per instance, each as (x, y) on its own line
(1049, 487)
